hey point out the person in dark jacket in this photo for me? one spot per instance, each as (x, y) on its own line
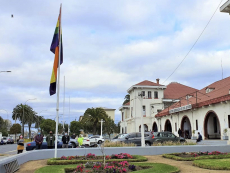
(73, 136)
(65, 140)
(38, 139)
(50, 140)
(199, 137)
(179, 132)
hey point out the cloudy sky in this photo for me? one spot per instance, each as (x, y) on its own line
(108, 47)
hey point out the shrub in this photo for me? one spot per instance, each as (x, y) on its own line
(118, 144)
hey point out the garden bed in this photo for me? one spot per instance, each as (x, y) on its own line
(214, 164)
(91, 157)
(190, 156)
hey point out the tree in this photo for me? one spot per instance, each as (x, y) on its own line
(60, 128)
(48, 125)
(16, 128)
(109, 126)
(91, 118)
(75, 127)
(28, 115)
(127, 99)
(3, 127)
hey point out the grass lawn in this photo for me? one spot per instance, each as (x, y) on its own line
(216, 164)
(156, 168)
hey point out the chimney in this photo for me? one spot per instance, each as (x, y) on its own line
(157, 80)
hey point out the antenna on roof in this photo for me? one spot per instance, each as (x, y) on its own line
(222, 67)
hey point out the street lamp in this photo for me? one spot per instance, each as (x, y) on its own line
(102, 121)
(5, 71)
(6, 112)
(23, 116)
(39, 119)
(140, 98)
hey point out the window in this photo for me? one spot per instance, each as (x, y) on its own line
(122, 116)
(131, 112)
(215, 124)
(196, 124)
(228, 121)
(149, 94)
(175, 127)
(155, 95)
(138, 135)
(143, 110)
(132, 135)
(143, 93)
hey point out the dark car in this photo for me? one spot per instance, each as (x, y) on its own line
(9, 140)
(135, 138)
(32, 145)
(166, 136)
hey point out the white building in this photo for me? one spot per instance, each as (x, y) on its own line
(206, 111)
(155, 98)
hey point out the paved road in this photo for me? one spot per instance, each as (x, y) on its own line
(8, 149)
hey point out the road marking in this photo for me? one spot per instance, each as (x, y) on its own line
(10, 151)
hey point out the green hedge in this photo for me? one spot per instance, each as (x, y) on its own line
(178, 158)
(57, 161)
(155, 167)
(214, 164)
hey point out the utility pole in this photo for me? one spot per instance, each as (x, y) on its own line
(102, 121)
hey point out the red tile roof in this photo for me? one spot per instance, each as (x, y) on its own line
(201, 98)
(176, 90)
(127, 104)
(148, 83)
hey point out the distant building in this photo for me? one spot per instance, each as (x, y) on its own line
(110, 112)
(155, 98)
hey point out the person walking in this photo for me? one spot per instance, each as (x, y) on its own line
(38, 139)
(80, 140)
(199, 137)
(65, 140)
(20, 146)
(179, 132)
(50, 140)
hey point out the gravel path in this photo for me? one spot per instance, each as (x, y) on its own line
(184, 166)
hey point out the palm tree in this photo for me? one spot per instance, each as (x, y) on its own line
(94, 115)
(28, 115)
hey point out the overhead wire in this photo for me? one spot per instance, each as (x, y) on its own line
(194, 43)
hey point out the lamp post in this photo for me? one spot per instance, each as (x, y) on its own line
(140, 98)
(6, 112)
(102, 121)
(225, 8)
(23, 116)
(5, 71)
(38, 118)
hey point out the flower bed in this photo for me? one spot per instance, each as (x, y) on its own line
(112, 167)
(189, 156)
(91, 157)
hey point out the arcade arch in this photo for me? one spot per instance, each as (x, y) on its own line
(155, 128)
(168, 126)
(212, 129)
(186, 127)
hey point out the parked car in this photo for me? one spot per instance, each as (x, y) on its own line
(73, 142)
(32, 145)
(91, 141)
(9, 140)
(4, 139)
(2, 142)
(166, 136)
(120, 136)
(150, 138)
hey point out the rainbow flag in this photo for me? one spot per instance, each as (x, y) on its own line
(55, 49)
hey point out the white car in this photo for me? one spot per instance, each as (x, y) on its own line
(96, 139)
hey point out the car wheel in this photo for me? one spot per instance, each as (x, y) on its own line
(147, 144)
(73, 145)
(99, 142)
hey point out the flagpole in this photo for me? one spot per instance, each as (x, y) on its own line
(58, 86)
